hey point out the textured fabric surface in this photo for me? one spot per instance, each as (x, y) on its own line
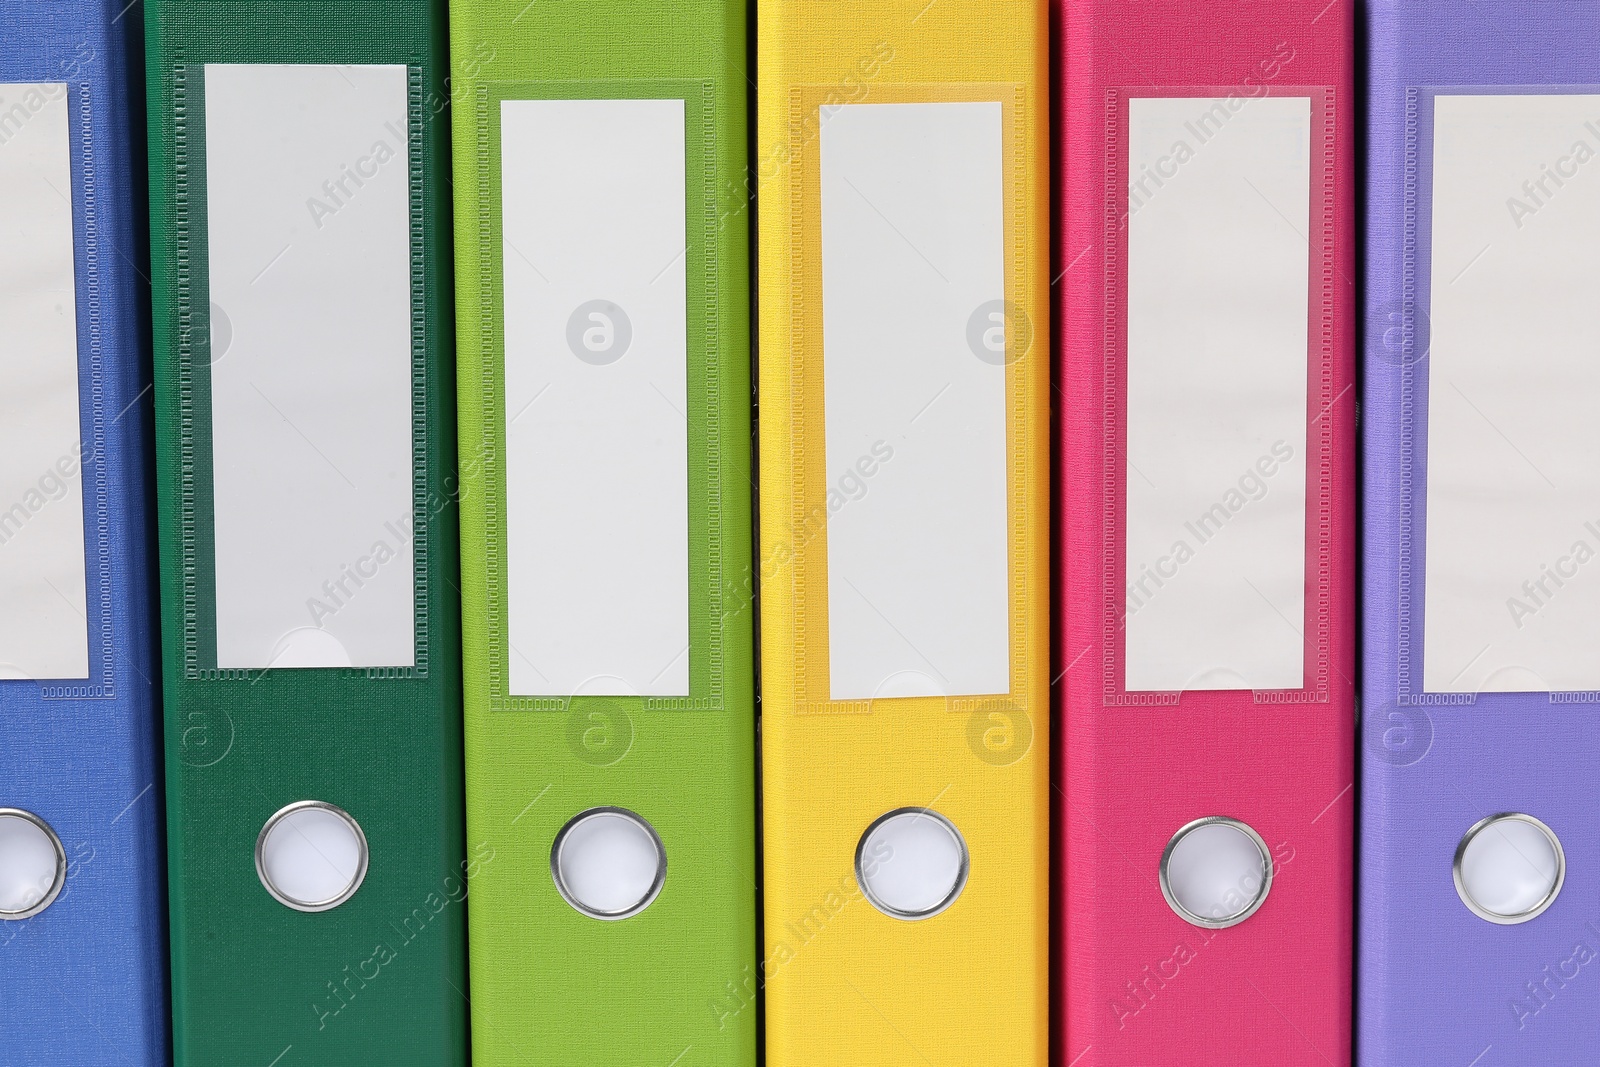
(1438, 984)
(84, 982)
(381, 978)
(676, 982)
(1142, 986)
(846, 984)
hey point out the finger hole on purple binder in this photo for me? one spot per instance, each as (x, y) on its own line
(1509, 868)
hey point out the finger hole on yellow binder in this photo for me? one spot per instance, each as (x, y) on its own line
(912, 863)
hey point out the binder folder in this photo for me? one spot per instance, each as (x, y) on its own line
(902, 174)
(81, 895)
(1206, 266)
(602, 236)
(1478, 893)
(305, 471)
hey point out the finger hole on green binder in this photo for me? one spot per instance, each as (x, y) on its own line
(608, 863)
(311, 856)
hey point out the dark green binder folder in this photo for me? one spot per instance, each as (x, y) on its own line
(304, 376)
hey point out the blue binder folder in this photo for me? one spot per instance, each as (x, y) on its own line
(82, 938)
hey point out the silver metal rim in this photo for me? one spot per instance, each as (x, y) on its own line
(955, 891)
(1204, 921)
(1521, 917)
(316, 905)
(61, 866)
(595, 913)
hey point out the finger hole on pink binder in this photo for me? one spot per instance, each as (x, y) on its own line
(1216, 872)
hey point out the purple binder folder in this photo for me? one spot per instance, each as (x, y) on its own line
(1481, 638)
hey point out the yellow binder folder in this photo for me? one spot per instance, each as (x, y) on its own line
(902, 176)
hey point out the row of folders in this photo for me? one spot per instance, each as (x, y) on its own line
(393, 642)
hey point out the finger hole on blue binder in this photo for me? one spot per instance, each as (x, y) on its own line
(33, 865)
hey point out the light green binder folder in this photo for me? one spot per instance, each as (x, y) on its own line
(602, 241)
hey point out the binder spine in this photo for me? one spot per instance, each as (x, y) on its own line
(250, 739)
(1439, 758)
(1127, 1000)
(80, 754)
(859, 741)
(638, 545)
(1393, 736)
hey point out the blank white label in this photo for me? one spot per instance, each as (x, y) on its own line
(1218, 292)
(308, 209)
(596, 390)
(44, 632)
(913, 268)
(1513, 484)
